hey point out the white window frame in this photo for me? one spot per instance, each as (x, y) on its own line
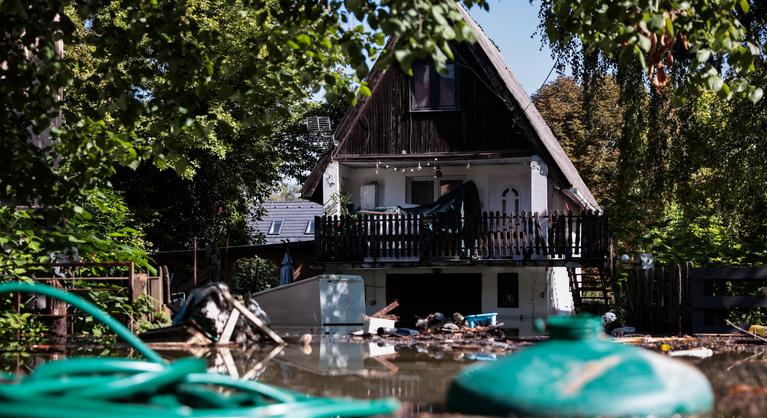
(309, 230)
(511, 200)
(435, 184)
(272, 231)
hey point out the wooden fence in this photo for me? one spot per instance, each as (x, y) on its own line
(495, 235)
(715, 291)
(658, 299)
(680, 298)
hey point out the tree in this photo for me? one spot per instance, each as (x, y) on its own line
(176, 84)
(689, 181)
(590, 144)
(715, 41)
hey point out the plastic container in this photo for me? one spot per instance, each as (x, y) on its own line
(580, 373)
(371, 324)
(759, 330)
(484, 320)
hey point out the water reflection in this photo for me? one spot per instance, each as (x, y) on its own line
(418, 376)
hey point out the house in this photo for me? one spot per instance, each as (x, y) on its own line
(287, 221)
(514, 229)
(283, 227)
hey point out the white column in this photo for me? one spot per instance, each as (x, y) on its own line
(539, 186)
(331, 188)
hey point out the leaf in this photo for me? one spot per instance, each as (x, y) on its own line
(745, 6)
(644, 43)
(756, 95)
(703, 55)
(365, 91)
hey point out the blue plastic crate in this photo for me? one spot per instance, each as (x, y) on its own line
(485, 320)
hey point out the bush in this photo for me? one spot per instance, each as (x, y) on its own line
(254, 275)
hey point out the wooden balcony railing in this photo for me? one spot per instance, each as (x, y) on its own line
(366, 238)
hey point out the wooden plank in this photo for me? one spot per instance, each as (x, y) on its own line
(538, 233)
(756, 273)
(501, 235)
(577, 242)
(726, 302)
(569, 233)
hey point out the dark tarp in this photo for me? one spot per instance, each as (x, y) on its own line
(463, 200)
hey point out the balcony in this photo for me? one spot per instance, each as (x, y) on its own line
(557, 239)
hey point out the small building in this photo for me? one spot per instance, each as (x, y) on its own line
(448, 192)
(291, 221)
(283, 227)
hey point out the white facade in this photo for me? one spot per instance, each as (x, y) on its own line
(529, 176)
(542, 291)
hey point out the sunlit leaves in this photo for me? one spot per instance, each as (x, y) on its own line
(659, 34)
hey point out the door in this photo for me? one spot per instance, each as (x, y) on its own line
(422, 294)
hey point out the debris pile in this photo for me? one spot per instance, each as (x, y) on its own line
(212, 315)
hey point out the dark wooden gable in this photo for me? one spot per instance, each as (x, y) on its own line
(386, 126)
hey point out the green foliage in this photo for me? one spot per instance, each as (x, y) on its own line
(21, 328)
(338, 204)
(588, 137)
(689, 180)
(705, 239)
(700, 35)
(253, 275)
(184, 88)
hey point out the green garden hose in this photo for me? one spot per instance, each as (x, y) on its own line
(114, 387)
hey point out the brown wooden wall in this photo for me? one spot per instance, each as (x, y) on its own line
(482, 123)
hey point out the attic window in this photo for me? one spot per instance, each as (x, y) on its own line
(275, 228)
(432, 90)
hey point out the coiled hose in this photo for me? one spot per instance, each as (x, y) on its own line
(115, 387)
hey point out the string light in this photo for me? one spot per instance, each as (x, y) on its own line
(435, 166)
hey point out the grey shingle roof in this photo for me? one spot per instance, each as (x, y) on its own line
(294, 216)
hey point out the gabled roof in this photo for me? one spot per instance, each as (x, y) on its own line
(515, 97)
(295, 215)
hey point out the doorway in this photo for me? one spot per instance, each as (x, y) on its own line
(422, 294)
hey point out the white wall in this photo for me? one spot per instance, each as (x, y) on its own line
(488, 178)
(542, 292)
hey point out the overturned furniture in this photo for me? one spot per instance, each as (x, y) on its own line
(323, 304)
(211, 315)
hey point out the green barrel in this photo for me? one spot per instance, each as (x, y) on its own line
(580, 373)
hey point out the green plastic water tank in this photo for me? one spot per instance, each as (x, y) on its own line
(580, 373)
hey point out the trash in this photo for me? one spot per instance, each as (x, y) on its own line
(577, 373)
(386, 331)
(702, 352)
(748, 390)
(488, 319)
(618, 332)
(213, 311)
(372, 324)
(480, 356)
(610, 322)
(459, 319)
(759, 330)
(407, 332)
(436, 320)
(422, 323)
(382, 313)
(450, 327)
(758, 337)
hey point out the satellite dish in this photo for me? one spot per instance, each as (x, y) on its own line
(318, 124)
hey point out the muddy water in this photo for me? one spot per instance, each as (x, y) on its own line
(419, 376)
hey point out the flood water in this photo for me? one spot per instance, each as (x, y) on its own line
(419, 376)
